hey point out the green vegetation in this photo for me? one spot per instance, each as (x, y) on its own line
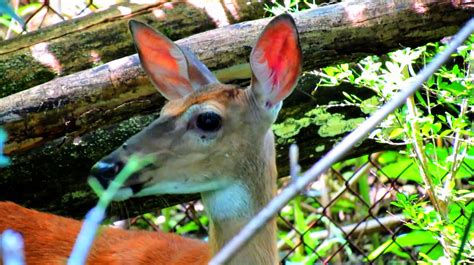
(435, 129)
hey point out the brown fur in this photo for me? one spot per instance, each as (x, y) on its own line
(216, 92)
(259, 173)
(49, 240)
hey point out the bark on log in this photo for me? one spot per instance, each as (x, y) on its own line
(58, 158)
(86, 42)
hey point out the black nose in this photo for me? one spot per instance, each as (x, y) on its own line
(105, 171)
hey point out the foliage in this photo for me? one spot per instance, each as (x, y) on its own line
(289, 6)
(437, 123)
(437, 132)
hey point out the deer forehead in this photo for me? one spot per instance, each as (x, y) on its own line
(220, 95)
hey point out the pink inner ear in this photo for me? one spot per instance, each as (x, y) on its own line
(156, 50)
(281, 54)
(163, 61)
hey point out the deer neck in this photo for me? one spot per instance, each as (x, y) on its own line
(232, 207)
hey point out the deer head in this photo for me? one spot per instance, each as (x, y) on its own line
(208, 134)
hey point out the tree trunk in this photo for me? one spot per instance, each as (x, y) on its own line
(83, 43)
(53, 127)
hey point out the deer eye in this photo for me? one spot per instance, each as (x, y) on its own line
(209, 121)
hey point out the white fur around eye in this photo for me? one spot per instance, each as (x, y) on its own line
(194, 110)
(189, 114)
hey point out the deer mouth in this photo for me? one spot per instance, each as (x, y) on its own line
(123, 193)
(103, 174)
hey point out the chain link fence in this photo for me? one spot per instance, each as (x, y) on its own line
(350, 219)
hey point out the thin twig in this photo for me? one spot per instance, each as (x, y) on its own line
(421, 162)
(457, 137)
(457, 161)
(366, 227)
(295, 168)
(464, 239)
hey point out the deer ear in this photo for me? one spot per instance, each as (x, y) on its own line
(276, 61)
(199, 74)
(174, 72)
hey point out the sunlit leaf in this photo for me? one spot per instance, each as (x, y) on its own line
(414, 238)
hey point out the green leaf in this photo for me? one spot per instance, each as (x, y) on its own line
(300, 222)
(430, 82)
(393, 67)
(24, 10)
(404, 168)
(401, 196)
(432, 253)
(465, 171)
(331, 70)
(388, 157)
(455, 87)
(436, 127)
(445, 133)
(396, 132)
(455, 70)
(189, 227)
(421, 99)
(414, 238)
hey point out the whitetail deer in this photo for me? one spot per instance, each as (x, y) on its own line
(210, 138)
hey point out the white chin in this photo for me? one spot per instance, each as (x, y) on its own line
(123, 194)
